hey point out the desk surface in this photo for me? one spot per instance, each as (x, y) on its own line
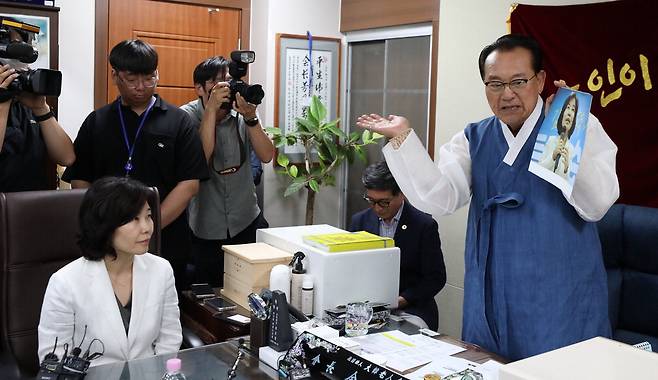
(207, 362)
(207, 323)
(213, 361)
(473, 352)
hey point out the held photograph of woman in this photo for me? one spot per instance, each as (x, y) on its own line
(561, 139)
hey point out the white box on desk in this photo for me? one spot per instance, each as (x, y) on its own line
(597, 358)
(340, 277)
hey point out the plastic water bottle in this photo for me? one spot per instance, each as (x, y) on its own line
(173, 370)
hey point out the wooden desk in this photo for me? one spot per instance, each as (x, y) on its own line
(213, 361)
(207, 323)
(473, 352)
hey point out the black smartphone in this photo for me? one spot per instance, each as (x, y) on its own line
(219, 304)
(202, 291)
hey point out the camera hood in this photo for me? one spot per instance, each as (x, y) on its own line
(17, 40)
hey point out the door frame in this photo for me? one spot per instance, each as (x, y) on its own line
(416, 30)
(101, 50)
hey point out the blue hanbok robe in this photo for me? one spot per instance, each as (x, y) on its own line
(535, 279)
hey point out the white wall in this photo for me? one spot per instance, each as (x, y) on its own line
(76, 62)
(465, 27)
(270, 17)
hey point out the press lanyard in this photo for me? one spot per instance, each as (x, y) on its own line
(131, 147)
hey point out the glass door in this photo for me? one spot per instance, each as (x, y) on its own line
(385, 76)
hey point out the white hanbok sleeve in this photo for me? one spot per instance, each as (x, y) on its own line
(437, 189)
(596, 187)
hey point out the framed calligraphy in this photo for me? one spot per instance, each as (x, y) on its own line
(304, 68)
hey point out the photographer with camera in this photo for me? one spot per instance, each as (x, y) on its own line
(225, 211)
(141, 136)
(29, 132)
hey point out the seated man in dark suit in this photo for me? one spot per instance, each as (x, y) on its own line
(422, 270)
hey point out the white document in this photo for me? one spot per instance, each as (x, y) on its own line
(435, 347)
(404, 352)
(443, 365)
(405, 360)
(384, 343)
(489, 369)
(425, 350)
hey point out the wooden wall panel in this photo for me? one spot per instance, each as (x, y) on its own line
(369, 14)
(237, 11)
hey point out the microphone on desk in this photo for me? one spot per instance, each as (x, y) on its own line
(50, 366)
(231, 372)
(70, 367)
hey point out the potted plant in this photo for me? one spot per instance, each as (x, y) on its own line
(325, 148)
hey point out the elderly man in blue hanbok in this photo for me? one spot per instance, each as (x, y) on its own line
(534, 277)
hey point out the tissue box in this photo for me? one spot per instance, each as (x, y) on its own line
(247, 269)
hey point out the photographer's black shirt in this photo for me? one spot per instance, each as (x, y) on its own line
(167, 151)
(23, 159)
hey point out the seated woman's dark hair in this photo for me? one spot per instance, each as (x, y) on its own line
(109, 203)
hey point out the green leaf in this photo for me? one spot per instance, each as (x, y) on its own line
(305, 125)
(323, 154)
(354, 136)
(360, 153)
(282, 160)
(310, 117)
(291, 140)
(350, 156)
(293, 171)
(335, 130)
(330, 180)
(313, 184)
(318, 111)
(366, 136)
(273, 131)
(293, 188)
(331, 146)
(280, 143)
(316, 171)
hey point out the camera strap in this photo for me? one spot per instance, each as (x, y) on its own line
(131, 147)
(243, 154)
(6, 94)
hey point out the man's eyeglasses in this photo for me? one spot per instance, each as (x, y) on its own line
(514, 84)
(383, 203)
(146, 81)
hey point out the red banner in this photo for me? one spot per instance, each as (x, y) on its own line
(611, 51)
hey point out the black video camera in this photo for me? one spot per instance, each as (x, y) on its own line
(17, 48)
(237, 68)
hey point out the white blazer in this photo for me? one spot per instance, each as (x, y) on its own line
(80, 294)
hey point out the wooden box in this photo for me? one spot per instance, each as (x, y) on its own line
(247, 269)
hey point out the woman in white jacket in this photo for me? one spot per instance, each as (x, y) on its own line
(117, 298)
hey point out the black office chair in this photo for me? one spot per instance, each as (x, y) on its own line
(38, 233)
